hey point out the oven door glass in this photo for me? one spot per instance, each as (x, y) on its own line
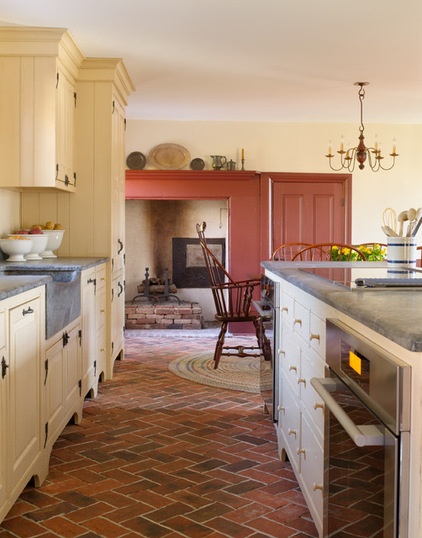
(361, 481)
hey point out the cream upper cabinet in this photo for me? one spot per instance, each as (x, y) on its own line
(95, 213)
(39, 68)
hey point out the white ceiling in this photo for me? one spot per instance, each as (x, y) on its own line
(251, 60)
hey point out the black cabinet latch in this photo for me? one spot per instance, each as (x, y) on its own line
(4, 367)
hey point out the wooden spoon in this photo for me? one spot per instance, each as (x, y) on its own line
(402, 218)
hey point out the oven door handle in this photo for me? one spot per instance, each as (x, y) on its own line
(364, 435)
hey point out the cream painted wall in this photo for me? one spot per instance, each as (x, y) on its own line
(10, 214)
(284, 147)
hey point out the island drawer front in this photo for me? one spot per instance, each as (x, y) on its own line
(312, 472)
(289, 419)
(312, 403)
(317, 334)
(286, 308)
(290, 361)
(301, 321)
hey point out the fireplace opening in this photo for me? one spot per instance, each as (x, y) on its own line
(161, 235)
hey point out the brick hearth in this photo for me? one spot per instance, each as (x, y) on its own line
(164, 315)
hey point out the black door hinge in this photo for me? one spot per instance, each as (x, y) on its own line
(46, 371)
(80, 387)
(4, 367)
(46, 434)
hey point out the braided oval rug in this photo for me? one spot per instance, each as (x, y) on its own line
(233, 373)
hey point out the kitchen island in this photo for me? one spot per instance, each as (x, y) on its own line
(389, 319)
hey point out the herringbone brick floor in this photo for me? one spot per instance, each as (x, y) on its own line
(159, 456)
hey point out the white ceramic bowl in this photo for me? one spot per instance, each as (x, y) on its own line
(55, 238)
(39, 244)
(16, 248)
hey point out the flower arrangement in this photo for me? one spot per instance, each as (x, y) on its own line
(374, 253)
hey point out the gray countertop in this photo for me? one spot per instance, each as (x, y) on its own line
(13, 285)
(51, 264)
(17, 277)
(397, 315)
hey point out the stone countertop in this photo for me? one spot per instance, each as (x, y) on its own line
(50, 264)
(13, 285)
(395, 314)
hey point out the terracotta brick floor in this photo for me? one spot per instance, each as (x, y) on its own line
(158, 456)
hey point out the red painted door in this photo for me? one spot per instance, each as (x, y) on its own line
(309, 212)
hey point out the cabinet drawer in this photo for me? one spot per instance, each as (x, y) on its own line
(317, 334)
(286, 308)
(312, 472)
(101, 276)
(289, 423)
(290, 362)
(100, 317)
(301, 320)
(312, 404)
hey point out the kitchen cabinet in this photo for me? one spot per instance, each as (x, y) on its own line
(4, 358)
(117, 313)
(101, 319)
(89, 334)
(301, 411)
(93, 328)
(62, 382)
(94, 213)
(22, 321)
(39, 69)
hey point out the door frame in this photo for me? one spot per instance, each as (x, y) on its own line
(266, 191)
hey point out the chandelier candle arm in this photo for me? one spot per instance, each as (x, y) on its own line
(361, 154)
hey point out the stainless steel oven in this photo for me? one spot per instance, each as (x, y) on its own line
(269, 308)
(367, 437)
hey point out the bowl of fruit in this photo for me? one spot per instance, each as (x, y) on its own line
(39, 242)
(16, 246)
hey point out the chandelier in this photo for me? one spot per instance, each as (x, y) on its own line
(361, 154)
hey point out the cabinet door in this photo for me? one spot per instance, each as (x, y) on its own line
(72, 372)
(118, 186)
(3, 406)
(118, 318)
(65, 127)
(54, 379)
(101, 321)
(24, 382)
(89, 360)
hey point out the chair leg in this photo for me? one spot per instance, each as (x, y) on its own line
(219, 345)
(257, 324)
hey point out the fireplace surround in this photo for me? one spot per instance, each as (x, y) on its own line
(241, 189)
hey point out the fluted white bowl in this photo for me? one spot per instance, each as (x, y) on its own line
(39, 244)
(16, 248)
(55, 238)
